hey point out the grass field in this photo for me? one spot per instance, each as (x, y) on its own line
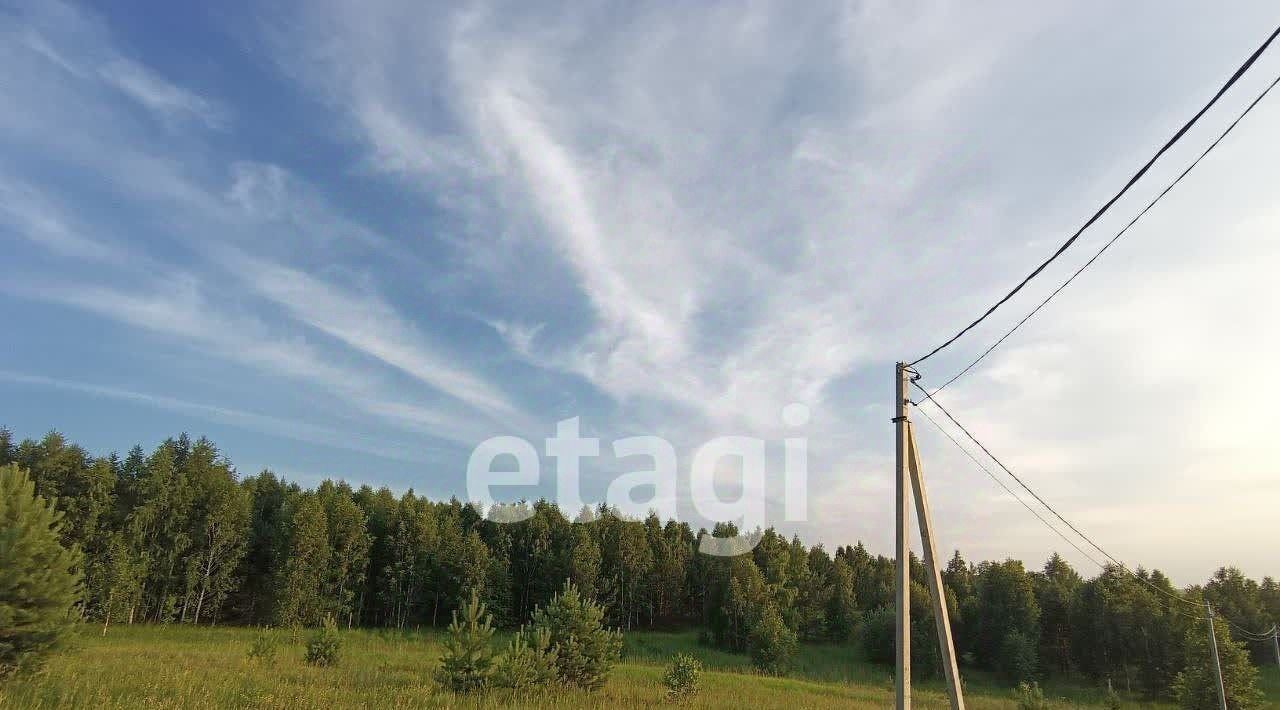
(184, 667)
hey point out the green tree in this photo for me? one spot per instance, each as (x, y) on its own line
(586, 650)
(300, 585)
(741, 596)
(39, 577)
(770, 643)
(158, 529)
(467, 665)
(842, 604)
(120, 577)
(627, 561)
(1056, 589)
(1006, 603)
(1017, 660)
(529, 662)
(218, 528)
(270, 499)
(682, 677)
(325, 645)
(1196, 687)
(349, 544)
(1241, 599)
(584, 560)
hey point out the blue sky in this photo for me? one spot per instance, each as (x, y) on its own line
(355, 239)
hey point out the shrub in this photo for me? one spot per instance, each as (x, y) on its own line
(467, 664)
(39, 578)
(530, 661)
(586, 650)
(770, 642)
(1030, 697)
(1111, 700)
(682, 678)
(1017, 660)
(876, 634)
(324, 645)
(264, 645)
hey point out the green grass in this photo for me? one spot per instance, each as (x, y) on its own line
(184, 667)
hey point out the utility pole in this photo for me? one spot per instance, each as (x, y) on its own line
(910, 475)
(902, 514)
(941, 618)
(1275, 641)
(1217, 665)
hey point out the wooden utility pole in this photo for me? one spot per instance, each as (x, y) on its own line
(910, 475)
(902, 514)
(941, 618)
(1217, 665)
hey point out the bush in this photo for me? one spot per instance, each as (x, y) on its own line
(323, 648)
(39, 578)
(1017, 660)
(682, 678)
(876, 634)
(530, 661)
(264, 645)
(770, 642)
(586, 650)
(467, 664)
(1030, 697)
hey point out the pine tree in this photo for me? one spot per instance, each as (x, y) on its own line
(324, 645)
(467, 665)
(270, 499)
(586, 650)
(529, 662)
(6, 446)
(39, 578)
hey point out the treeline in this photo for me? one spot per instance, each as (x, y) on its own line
(175, 536)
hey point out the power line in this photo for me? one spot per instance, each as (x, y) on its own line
(1247, 634)
(1009, 490)
(1114, 239)
(1035, 495)
(1056, 514)
(1033, 511)
(1096, 215)
(1015, 477)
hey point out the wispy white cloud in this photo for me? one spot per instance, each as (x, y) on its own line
(166, 99)
(518, 336)
(30, 215)
(288, 428)
(370, 325)
(179, 310)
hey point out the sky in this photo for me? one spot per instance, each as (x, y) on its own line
(354, 240)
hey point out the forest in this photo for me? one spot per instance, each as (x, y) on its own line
(176, 536)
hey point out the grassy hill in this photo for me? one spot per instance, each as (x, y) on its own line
(184, 667)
